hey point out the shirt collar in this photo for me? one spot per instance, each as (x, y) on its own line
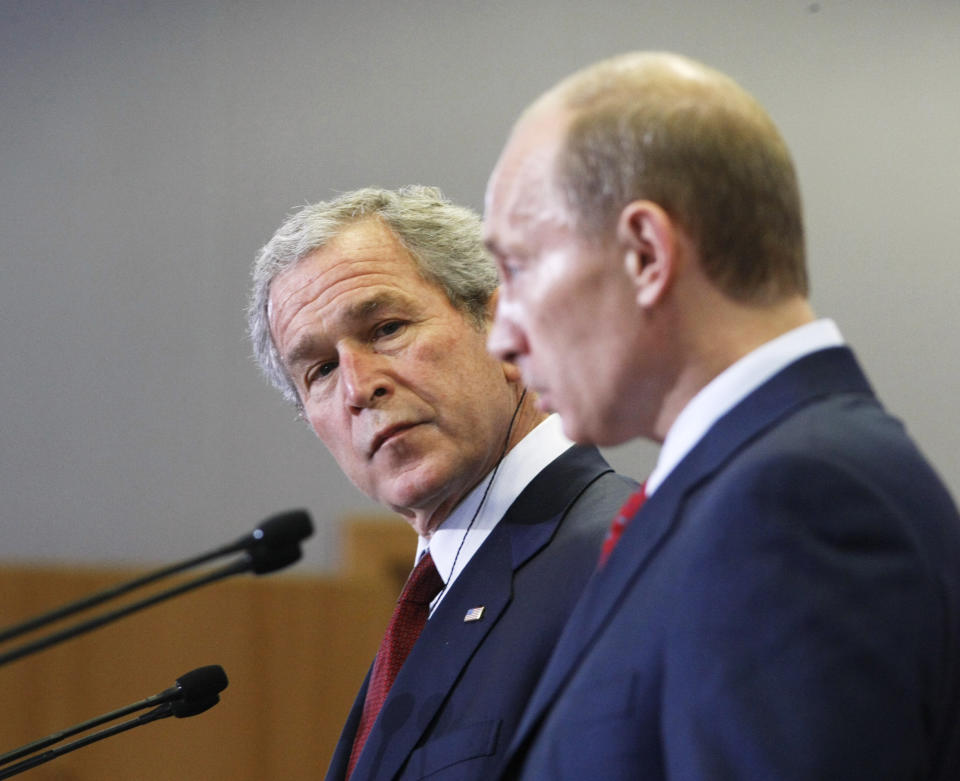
(456, 540)
(733, 385)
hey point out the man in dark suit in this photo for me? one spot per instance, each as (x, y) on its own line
(786, 602)
(370, 313)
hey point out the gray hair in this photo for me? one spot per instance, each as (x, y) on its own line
(444, 240)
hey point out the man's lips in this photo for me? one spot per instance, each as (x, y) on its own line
(543, 401)
(541, 397)
(387, 433)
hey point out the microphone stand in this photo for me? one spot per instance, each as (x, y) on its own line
(104, 596)
(191, 694)
(160, 712)
(278, 531)
(258, 560)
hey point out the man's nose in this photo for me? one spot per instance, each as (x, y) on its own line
(365, 382)
(505, 340)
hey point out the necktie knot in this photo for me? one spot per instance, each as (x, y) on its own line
(424, 582)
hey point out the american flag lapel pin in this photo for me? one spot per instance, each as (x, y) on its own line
(473, 614)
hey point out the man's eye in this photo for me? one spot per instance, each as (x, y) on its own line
(508, 269)
(389, 328)
(320, 371)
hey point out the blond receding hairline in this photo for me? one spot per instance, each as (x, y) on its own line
(664, 127)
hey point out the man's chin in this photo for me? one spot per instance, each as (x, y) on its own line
(415, 499)
(544, 405)
(580, 431)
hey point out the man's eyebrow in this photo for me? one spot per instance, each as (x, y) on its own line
(364, 309)
(301, 350)
(356, 314)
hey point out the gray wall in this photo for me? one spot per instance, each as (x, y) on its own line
(148, 148)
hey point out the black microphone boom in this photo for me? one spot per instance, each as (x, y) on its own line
(279, 530)
(287, 528)
(273, 545)
(189, 690)
(276, 531)
(193, 693)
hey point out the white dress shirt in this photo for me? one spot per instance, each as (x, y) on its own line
(732, 386)
(456, 540)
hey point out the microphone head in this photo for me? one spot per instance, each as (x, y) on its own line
(183, 708)
(265, 559)
(201, 684)
(283, 529)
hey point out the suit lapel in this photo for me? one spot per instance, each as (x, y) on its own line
(448, 642)
(337, 770)
(823, 373)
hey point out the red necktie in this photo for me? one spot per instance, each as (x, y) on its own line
(409, 617)
(630, 508)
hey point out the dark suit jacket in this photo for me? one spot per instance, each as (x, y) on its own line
(458, 697)
(785, 606)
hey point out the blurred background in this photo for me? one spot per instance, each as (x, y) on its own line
(148, 148)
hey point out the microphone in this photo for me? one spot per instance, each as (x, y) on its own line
(277, 531)
(193, 693)
(286, 528)
(192, 689)
(273, 545)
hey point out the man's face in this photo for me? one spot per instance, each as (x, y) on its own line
(394, 380)
(565, 306)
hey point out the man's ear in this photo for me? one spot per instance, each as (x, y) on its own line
(491, 307)
(647, 236)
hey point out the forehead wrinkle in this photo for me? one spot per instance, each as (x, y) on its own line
(355, 314)
(306, 295)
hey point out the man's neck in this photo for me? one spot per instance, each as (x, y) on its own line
(525, 419)
(726, 333)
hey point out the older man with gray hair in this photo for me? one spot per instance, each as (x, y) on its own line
(370, 313)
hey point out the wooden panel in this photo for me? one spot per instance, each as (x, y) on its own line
(379, 548)
(294, 647)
